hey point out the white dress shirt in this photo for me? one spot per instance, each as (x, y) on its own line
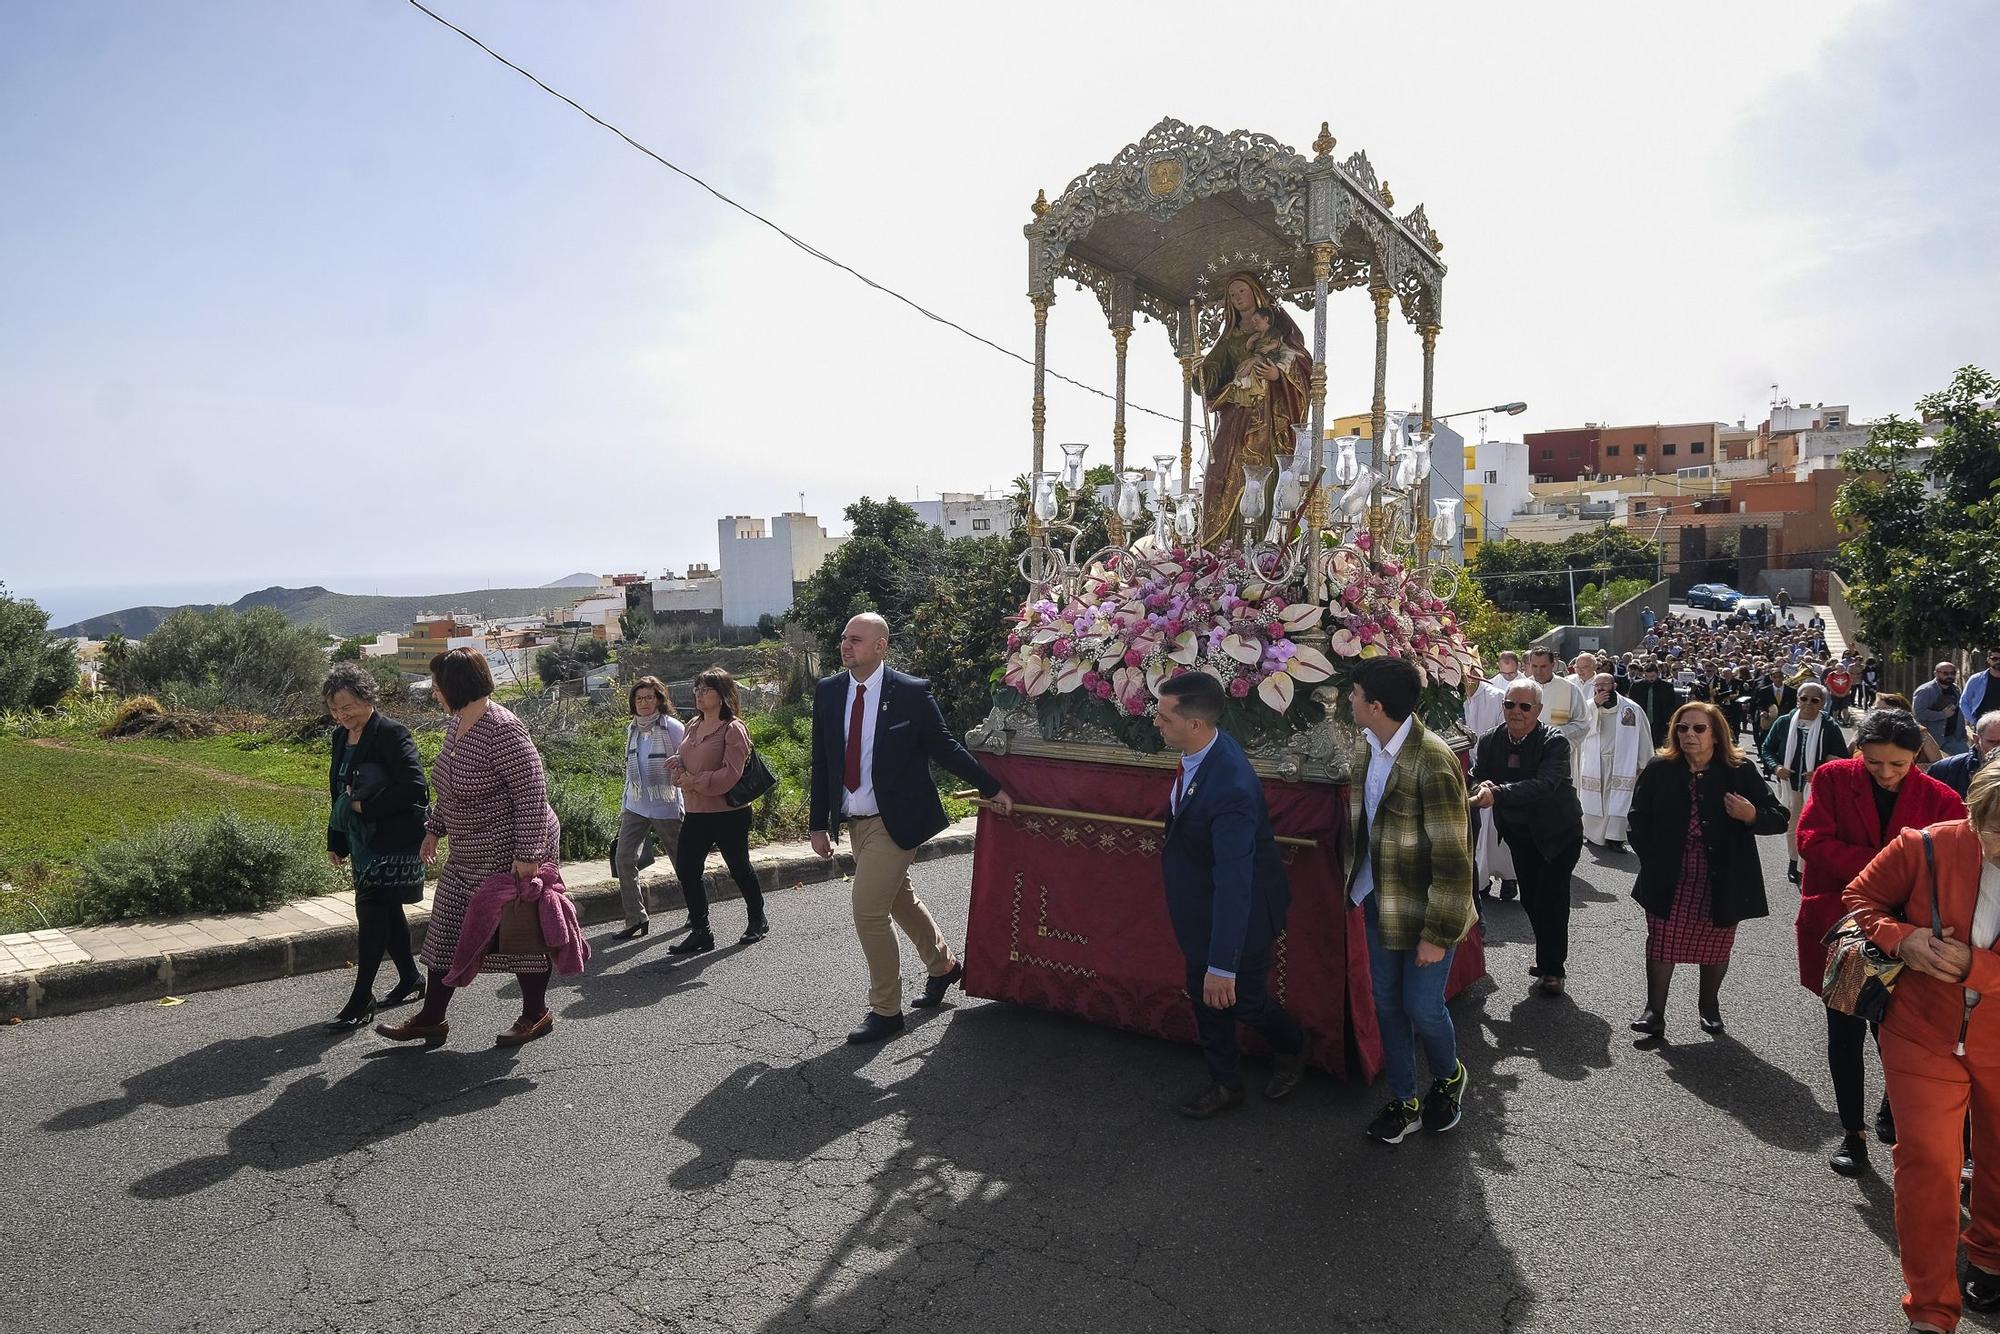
(1185, 785)
(1985, 917)
(860, 803)
(1381, 759)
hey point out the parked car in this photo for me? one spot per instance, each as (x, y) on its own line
(1752, 606)
(1715, 597)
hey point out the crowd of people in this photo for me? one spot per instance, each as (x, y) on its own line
(1713, 734)
(1668, 754)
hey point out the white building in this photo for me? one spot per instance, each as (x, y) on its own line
(601, 610)
(964, 514)
(762, 568)
(383, 647)
(1822, 449)
(1500, 471)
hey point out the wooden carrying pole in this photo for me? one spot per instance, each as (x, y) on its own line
(977, 800)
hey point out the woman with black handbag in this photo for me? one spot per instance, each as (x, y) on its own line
(1941, 1049)
(375, 827)
(714, 761)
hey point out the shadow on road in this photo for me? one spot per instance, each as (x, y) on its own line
(1778, 1109)
(230, 1068)
(1026, 1169)
(312, 1121)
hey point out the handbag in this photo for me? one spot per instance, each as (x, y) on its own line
(520, 929)
(393, 876)
(757, 780)
(1860, 975)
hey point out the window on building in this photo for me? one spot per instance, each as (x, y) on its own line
(1667, 449)
(1698, 447)
(1548, 453)
(1492, 479)
(1638, 451)
(981, 525)
(1611, 451)
(1575, 452)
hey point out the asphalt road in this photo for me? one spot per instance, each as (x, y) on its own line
(695, 1149)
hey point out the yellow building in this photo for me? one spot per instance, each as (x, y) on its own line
(428, 638)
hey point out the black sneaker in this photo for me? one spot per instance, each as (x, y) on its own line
(1398, 1119)
(1980, 1288)
(1885, 1124)
(1509, 890)
(1851, 1158)
(1442, 1103)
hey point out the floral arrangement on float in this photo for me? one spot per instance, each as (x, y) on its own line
(1100, 655)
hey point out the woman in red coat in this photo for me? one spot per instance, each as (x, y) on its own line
(1941, 1049)
(1857, 806)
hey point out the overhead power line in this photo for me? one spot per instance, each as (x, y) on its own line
(751, 213)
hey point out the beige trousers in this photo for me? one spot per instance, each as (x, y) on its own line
(882, 895)
(1795, 802)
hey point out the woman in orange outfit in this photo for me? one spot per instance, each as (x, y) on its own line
(1941, 1049)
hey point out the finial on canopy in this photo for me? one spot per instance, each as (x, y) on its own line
(1323, 145)
(1436, 244)
(1041, 204)
(1388, 200)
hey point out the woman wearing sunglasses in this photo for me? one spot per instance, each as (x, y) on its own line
(1697, 809)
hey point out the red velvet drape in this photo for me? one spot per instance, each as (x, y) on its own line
(1070, 914)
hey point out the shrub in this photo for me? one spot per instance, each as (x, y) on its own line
(138, 711)
(225, 863)
(36, 669)
(257, 652)
(589, 826)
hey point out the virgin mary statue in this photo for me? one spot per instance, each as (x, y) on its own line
(1256, 380)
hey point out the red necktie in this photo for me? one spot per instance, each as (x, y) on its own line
(1180, 788)
(853, 775)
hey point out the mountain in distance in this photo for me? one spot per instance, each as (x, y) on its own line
(342, 614)
(578, 580)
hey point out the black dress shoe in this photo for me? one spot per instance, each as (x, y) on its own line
(1650, 1022)
(699, 941)
(350, 1019)
(755, 932)
(876, 1028)
(1851, 1159)
(1509, 890)
(1981, 1288)
(1711, 1021)
(1885, 1124)
(1211, 1101)
(404, 993)
(634, 931)
(1285, 1073)
(935, 987)
(1616, 845)
(1792, 872)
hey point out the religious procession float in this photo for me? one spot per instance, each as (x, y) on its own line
(1264, 554)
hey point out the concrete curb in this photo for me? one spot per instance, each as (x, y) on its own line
(73, 987)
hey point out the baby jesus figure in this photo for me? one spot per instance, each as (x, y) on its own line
(1250, 388)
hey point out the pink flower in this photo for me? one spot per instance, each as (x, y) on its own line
(1364, 541)
(1013, 642)
(1061, 648)
(1091, 680)
(1134, 705)
(1240, 687)
(1134, 658)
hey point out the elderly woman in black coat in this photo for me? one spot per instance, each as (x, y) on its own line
(375, 828)
(1697, 810)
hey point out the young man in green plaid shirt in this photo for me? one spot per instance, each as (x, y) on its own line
(1410, 868)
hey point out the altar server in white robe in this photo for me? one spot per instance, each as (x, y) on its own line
(1562, 703)
(1616, 743)
(1492, 859)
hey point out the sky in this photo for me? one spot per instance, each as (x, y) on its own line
(323, 294)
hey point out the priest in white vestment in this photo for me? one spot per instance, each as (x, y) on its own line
(1616, 743)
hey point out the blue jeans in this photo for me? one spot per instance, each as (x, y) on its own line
(1409, 1006)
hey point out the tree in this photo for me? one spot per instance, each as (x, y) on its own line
(1535, 576)
(36, 669)
(634, 624)
(257, 652)
(958, 630)
(571, 660)
(767, 626)
(1491, 629)
(1922, 575)
(884, 567)
(350, 648)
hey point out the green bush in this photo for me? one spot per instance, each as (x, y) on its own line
(226, 863)
(589, 826)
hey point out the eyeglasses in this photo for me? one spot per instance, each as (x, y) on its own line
(1690, 727)
(1513, 705)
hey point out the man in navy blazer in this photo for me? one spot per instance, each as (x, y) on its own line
(1226, 893)
(875, 734)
